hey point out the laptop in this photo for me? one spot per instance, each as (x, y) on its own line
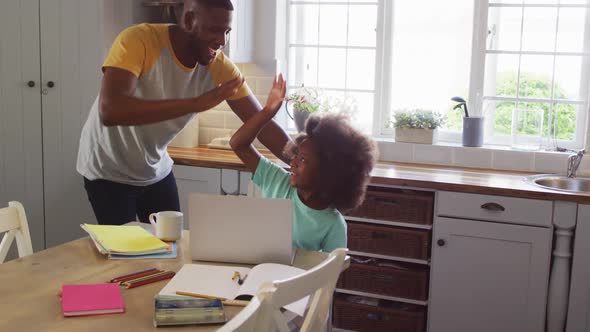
(240, 229)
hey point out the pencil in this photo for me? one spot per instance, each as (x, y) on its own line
(139, 275)
(132, 274)
(150, 276)
(201, 295)
(149, 281)
(237, 303)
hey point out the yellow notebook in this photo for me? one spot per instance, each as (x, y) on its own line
(130, 240)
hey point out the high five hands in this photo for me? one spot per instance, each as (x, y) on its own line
(220, 93)
(276, 96)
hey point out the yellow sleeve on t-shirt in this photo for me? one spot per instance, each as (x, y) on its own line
(136, 49)
(222, 69)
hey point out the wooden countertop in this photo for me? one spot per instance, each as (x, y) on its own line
(469, 180)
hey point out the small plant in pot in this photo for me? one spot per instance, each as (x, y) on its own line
(416, 126)
(303, 102)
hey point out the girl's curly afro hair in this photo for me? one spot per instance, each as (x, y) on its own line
(346, 158)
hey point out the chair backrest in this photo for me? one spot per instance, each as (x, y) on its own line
(319, 283)
(254, 317)
(13, 222)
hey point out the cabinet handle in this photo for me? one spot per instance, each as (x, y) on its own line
(493, 207)
(50, 84)
(441, 242)
(31, 84)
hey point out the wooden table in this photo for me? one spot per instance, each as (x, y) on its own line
(29, 288)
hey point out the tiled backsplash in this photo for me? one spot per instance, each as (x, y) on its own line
(222, 122)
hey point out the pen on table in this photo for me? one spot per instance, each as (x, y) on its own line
(132, 274)
(223, 300)
(165, 276)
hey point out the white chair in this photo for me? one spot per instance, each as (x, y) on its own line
(318, 282)
(254, 317)
(13, 222)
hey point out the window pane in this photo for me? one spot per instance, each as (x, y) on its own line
(570, 33)
(304, 24)
(536, 72)
(362, 26)
(333, 24)
(331, 70)
(539, 29)
(303, 66)
(431, 52)
(500, 75)
(564, 122)
(502, 115)
(359, 75)
(568, 75)
(363, 117)
(505, 26)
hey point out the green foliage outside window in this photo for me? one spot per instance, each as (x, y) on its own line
(530, 114)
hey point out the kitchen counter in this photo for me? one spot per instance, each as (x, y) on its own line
(469, 180)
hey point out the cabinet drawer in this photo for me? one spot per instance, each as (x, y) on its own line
(388, 240)
(495, 208)
(363, 314)
(399, 205)
(383, 277)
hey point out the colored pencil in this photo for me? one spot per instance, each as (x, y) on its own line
(150, 276)
(131, 274)
(140, 275)
(237, 303)
(201, 295)
(169, 275)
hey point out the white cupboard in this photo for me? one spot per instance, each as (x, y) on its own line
(578, 316)
(50, 55)
(488, 276)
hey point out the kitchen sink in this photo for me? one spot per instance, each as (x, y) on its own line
(560, 182)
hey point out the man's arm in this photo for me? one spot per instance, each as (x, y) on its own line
(119, 107)
(272, 135)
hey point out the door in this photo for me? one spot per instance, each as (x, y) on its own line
(191, 179)
(488, 276)
(71, 58)
(21, 159)
(578, 316)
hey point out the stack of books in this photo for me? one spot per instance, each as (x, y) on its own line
(183, 310)
(131, 241)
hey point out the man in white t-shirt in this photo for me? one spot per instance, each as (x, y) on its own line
(156, 78)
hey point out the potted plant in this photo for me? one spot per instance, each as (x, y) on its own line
(416, 126)
(304, 102)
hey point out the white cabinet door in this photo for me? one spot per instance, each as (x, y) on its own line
(191, 179)
(21, 155)
(578, 317)
(488, 277)
(71, 58)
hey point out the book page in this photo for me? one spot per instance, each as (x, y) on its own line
(212, 280)
(269, 272)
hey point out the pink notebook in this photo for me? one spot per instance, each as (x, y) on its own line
(94, 299)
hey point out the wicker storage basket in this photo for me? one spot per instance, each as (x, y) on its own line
(385, 316)
(383, 277)
(388, 240)
(399, 205)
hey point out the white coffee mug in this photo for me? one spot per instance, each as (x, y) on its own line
(168, 225)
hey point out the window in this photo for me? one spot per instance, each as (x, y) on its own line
(524, 64)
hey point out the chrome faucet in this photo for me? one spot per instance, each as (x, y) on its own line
(573, 162)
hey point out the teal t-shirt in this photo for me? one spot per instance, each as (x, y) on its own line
(319, 230)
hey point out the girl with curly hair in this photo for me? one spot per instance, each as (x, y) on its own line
(330, 166)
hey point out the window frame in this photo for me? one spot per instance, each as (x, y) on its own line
(383, 64)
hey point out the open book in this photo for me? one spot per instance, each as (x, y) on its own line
(217, 281)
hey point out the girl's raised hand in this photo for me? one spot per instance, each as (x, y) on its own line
(276, 96)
